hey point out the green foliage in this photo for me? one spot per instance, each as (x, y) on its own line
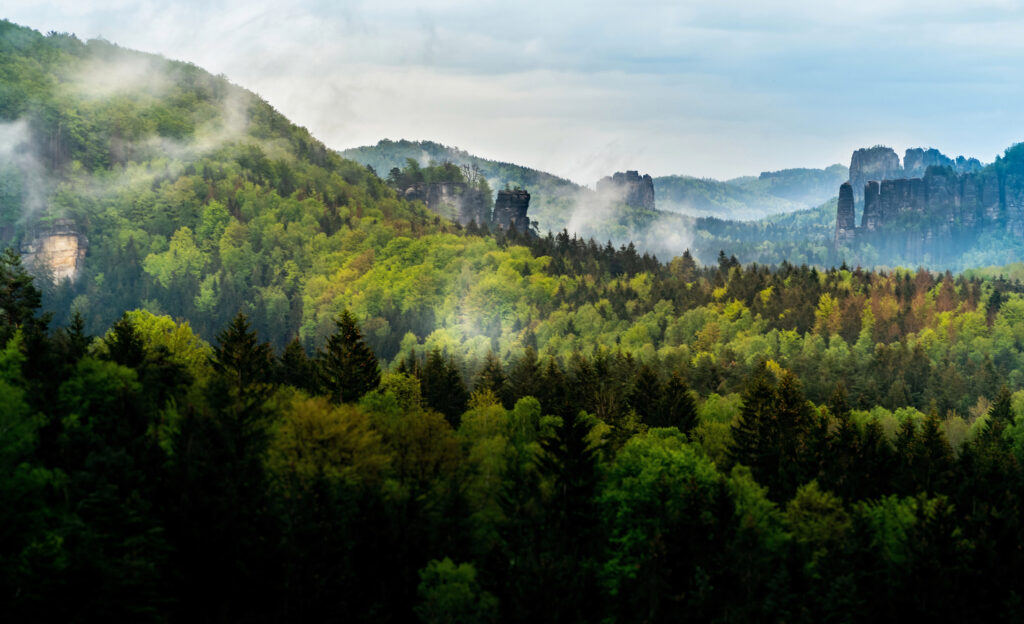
(347, 368)
(452, 595)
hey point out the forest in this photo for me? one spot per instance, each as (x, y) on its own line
(277, 390)
(152, 476)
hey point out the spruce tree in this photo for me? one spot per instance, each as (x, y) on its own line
(492, 377)
(442, 387)
(347, 367)
(676, 407)
(524, 375)
(646, 396)
(1000, 415)
(294, 367)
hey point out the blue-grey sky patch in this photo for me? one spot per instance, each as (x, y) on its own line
(716, 89)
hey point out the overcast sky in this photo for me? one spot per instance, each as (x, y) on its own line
(716, 88)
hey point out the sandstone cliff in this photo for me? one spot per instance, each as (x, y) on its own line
(453, 200)
(936, 216)
(56, 250)
(510, 210)
(872, 163)
(635, 190)
(917, 160)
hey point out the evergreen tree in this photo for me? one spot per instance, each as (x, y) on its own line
(646, 396)
(347, 367)
(676, 407)
(492, 377)
(294, 367)
(1000, 415)
(19, 297)
(524, 376)
(442, 387)
(776, 435)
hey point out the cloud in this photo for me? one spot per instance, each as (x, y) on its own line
(708, 89)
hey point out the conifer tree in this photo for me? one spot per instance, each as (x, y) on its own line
(524, 375)
(1000, 415)
(676, 407)
(646, 396)
(776, 435)
(492, 377)
(443, 388)
(347, 367)
(294, 367)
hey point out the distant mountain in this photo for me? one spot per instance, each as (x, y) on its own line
(747, 198)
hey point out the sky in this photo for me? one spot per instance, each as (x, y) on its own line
(581, 89)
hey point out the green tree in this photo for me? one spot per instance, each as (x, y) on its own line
(450, 594)
(347, 367)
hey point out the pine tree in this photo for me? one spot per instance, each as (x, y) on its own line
(1000, 415)
(492, 377)
(19, 297)
(524, 375)
(646, 396)
(242, 363)
(347, 367)
(776, 434)
(124, 345)
(677, 407)
(443, 388)
(294, 367)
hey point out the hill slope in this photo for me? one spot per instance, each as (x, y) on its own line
(552, 198)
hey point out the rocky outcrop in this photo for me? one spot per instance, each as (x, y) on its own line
(56, 250)
(845, 217)
(872, 163)
(629, 188)
(453, 200)
(935, 216)
(917, 160)
(510, 210)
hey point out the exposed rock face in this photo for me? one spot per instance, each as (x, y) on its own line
(872, 163)
(454, 200)
(936, 215)
(510, 210)
(636, 191)
(917, 160)
(845, 219)
(58, 250)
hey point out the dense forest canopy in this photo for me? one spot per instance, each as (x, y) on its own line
(277, 390)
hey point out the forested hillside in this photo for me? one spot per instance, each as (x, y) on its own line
(552, 198)
(752, 197)
(278, 392)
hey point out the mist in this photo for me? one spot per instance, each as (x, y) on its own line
(24, 182)
(604, 215)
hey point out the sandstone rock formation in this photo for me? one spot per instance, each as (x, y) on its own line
(510, 210)
(872, 163)
(57, 250)
(934, 216)
(917, 160)
(453, 200)
(845, 219)
(635, 191)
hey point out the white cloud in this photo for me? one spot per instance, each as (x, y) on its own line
(710, 89)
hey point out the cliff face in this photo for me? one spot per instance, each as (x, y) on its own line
(917, 160)
(872, 163)
(453, 200)
(845, 219)
(636, 191)
(57, 250)
(510, 210)
(935, 216)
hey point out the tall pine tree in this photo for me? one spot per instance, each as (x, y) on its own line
(347, 367)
